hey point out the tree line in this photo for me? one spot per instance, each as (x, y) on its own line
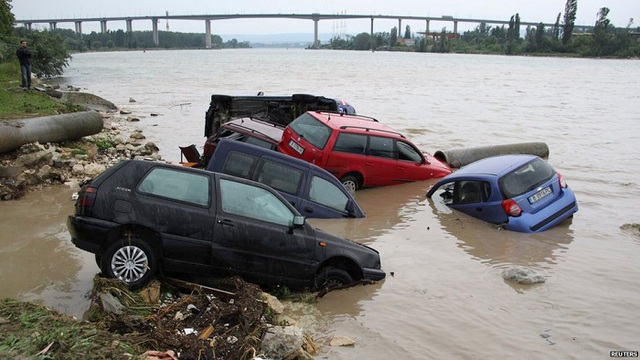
(603, 40)
(52, 48)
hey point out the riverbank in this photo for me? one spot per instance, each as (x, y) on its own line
(234, 320)
(72, 162)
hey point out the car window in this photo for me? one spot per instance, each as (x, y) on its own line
(279, 176)
(177, 185)
(325, 193)
(408, 153)
(470, 192)
(381, 147)
(312, 130)
(253, 202)
(259, 142)
(239, 164)
(351, 143)
(526, 178)
(231, 135)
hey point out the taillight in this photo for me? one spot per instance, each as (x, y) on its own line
(86, 197)
(511, 207)
(563, 184)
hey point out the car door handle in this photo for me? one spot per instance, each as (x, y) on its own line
(308, 209)
(226, 222)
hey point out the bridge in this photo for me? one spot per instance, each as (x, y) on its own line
(315, 17)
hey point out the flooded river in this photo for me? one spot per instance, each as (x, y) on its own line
(444, 296)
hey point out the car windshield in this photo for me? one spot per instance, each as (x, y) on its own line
(526, 178)
(312, 130)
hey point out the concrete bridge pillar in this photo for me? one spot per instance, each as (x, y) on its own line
(455, 27)
(129, 33)
(27, 25)
(315, 33)
(154, 25)
(371, 31)
(400, 34)
(52, 25)
(207, 34)
(79, 28)
(103, 26)
(427, 29)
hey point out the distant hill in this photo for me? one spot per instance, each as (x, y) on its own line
(278, 40)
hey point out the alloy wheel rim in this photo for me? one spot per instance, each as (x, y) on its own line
(129, 264)
(350, 186)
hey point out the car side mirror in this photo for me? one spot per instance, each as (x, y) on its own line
(298, 220)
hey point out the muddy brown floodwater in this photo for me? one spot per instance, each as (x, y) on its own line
(444, 295)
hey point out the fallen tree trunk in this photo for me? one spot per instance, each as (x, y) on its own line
(457, 158)
(56, 128)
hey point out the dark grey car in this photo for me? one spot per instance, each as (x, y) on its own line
(141, 218)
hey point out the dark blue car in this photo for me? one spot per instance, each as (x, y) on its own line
(519, 192)
(313, 191)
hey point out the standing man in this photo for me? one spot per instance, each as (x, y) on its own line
(24, 55)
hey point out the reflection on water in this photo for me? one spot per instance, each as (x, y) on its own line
(502, 248)
(39, 262)
(388, 208)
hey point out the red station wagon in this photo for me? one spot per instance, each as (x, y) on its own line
(358, 150)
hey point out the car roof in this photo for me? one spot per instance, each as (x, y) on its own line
(269, 129)
(260, 151)
(355, 123)
(494, 165)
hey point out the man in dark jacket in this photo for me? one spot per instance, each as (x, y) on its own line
(24, 55)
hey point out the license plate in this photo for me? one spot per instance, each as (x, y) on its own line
(540, 194)
(295, 146)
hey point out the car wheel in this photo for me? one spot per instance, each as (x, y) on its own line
(350, 183)
(130, 260)
(331, 277)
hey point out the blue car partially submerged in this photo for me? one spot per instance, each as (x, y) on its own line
(518, 192)
(313, 191)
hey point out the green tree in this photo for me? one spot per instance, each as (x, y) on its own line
(49, 53)
(602, 34)
(556, 28)
(362, 41)
(407, 32)
(393, 39)
(570, 10)
(6, 19)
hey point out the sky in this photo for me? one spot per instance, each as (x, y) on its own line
(530, 11)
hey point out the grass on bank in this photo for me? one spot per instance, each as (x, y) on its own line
(18, 104)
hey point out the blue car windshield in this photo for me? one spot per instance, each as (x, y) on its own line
(526, 178)
(312, 130)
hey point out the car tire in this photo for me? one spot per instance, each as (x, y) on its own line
(350, 183)
(331, 277)
(130, 260)
(99, 260)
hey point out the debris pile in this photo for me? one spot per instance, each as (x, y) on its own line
(161, 321)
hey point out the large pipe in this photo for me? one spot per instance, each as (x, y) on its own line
(456, 158)
(56, 128)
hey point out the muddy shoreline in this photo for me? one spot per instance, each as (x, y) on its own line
(178, 323)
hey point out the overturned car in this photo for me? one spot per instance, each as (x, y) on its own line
(276, 109)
